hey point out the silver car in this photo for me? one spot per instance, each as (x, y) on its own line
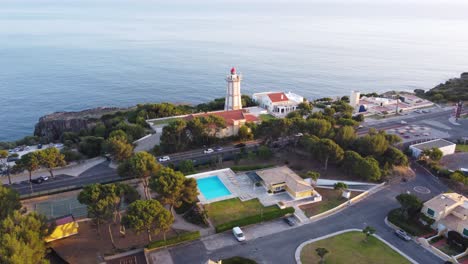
(403, 235)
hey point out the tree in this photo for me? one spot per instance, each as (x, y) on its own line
(4, 167)
(119, 149)
(143, 165)
(51, 158)
(313, 175)
(318, 127)
(186, 166)
(458, 176)
(91, 146)
(149, 216)
(9, 201)
(244, 133)
(22, 239)
(369, 169)
(351, 162)
(394, 156)
(99, 202)
(173, 187)
(326, 150)
(345, 136)
(433, 154)
(372, 144)
(340, 186)
(410, 204)
(264, 152)
(304, 108)
(321, 252)
(29, 162)
(369, 230)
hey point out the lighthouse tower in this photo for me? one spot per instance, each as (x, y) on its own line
(233, 94)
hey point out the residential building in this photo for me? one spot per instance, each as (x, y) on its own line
(278, 103)
(443, 145)
(234, 120)
(284, 179)
(449, 211)
(354, 99)
(233, 99)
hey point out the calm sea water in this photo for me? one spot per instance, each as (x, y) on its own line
(67, 55)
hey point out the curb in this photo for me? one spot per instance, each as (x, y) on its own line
(297, 254)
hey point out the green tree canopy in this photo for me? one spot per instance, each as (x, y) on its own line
(29, 162)
(319, 127)
(244, 133)
(142, 165)
(410, 204)
(9, 201)
(372, 144)
(345, 136)
(368, 168)
(321, 252)
(149, 216)
(99, 201)
(394, 156)
(369, 230)
(51, 158)
(327, 150)
(313, 175)
(119, 149)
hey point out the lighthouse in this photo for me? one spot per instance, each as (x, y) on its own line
(233, 93)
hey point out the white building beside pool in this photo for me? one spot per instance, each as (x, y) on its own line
(443, 145)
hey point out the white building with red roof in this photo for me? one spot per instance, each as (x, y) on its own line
(278, 103)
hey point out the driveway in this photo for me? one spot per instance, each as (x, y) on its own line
(279, 247)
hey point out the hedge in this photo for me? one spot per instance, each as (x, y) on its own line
(189, 236)
(251, 167)
(412, 226)
(253, 219)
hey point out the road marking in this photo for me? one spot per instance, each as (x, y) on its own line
(422, 189)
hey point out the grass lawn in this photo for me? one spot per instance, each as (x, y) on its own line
(462, 148)
(351, 248)
(232, 209)
(330, 199)
(266, 117)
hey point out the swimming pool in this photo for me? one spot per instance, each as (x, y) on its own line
(212, 187)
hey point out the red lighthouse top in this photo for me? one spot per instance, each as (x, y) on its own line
(233, 70)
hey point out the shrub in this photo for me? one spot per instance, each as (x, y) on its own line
(411, 226)
(254, 219)
(189, 236)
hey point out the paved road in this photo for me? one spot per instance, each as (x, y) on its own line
(280, 247)
(97, 174)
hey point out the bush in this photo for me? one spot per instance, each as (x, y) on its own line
(250, 167)
(189, 236)
(254, 219)
(412, 226)
(238, 260)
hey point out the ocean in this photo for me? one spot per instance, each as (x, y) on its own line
(68, 55)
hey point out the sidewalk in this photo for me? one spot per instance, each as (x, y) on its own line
(71, 170)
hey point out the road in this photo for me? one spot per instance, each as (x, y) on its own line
(98, 174)
(280, 247)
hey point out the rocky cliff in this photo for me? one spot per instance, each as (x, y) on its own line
(54, 125)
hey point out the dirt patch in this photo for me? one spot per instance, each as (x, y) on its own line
(330, 199)
(90, 247)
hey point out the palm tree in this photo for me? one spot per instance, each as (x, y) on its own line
(321, 252)
(369, 230)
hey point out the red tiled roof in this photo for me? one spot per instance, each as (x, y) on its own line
(250, 118)
(278, 97)
(228, 116)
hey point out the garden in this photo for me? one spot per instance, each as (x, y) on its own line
(330, 199)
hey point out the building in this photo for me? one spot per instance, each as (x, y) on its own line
(233, 93)
(284, 179)
(443, 145)
(64, 227)
(354, 99)
(403, 102)
(234, 120)
(449, 211)
(278, 103)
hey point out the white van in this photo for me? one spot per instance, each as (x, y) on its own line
(238, 234)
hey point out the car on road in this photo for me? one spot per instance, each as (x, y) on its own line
(218, 148)
(238, 234)
(402, 234)
(208, 151)
(164, 159)
(289, 220)
(403, 122)
(418, 111)
(299, 135)
(426, 111)
(40, 179)
(12, 158)
(240, 145)
(360, 126)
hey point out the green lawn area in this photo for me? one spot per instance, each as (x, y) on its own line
(164, 121)
(266, 117)
(351, 248)
(233, 209)
(330, 199)
(463, 148)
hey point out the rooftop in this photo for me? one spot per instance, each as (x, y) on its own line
(441, 201)
(436, 143)
(278, 97)
(284, 174)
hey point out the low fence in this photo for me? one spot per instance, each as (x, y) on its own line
(341, 206)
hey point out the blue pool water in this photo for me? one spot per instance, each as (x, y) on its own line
(212, 187)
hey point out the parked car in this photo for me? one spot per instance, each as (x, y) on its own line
(240, 145)
(218, 148)
(40, 180)
(403, 235)
(426, 111)
(12, 158)
(403, 122)
(299, 135)
(418, 111)
(208, 151)
(39, 146)
(289, 220)
(238, 234)
(164, 159)
(59, 145)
